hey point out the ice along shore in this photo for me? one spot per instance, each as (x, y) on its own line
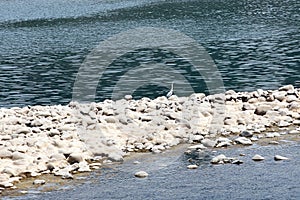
(62, 140)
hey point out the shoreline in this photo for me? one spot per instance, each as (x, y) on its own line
(56, 186)
(63, 140)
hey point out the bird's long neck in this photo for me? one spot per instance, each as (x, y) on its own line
(172, 86)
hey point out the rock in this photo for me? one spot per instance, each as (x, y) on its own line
(261, 99)
(128, 97)
(136, 162)
(294, 106)
(23, 130)
(255, 138)
(110, 120)
(270, 98)
(75, 158)
(237, 162)
(36, 123)
(192, 166)
(278, 157)
(197, 96)
(196, 138)
(39, 182)
(115, 157)
(66, 128)
(262, 109)
(230, 121)
(146, 118)
(286, 88)
(218, 159)
(223, 139)
(172, 115)
(67, 176)
(198, 146)
(241, 122)
(5, 137)
(84, 167)
(223, 144)
(208, 142)
(296, 122)
(271, 135)
(53, 132)
(243, 140)
(12, 171)
(234, 130)
(173, 98)
(141, 174)
(64, 173)
(257, 158)
(280, 96)
(252, 101)
(283, 124)
(18, 155)
(108, 112)
(6, 184)
(294, 132)
(246, 134)
(95, 165)
(34, 174)
(230, 92)
(273, 142)
(4, 177)
(247, 106)
(22, 149)
(291, 98)
(4, 153)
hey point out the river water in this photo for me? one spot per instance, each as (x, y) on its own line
(254, 44)
(169, 177)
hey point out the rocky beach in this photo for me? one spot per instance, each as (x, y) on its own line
(64, 140)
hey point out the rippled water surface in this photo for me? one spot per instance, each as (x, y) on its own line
(255, 44)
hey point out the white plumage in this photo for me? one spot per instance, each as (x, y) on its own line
(171, 92)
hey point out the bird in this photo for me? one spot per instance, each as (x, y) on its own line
(171, 92)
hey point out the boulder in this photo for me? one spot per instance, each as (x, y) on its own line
(262, 109)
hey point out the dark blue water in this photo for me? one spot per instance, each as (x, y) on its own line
(255, 44)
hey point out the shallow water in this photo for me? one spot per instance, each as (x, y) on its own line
(255, 44)
(169, 177)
